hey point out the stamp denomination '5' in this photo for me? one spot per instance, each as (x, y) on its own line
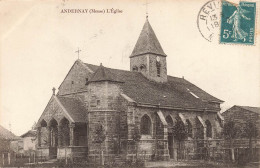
(238, 23)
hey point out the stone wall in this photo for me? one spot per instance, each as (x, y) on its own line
(110, 121)
(150, 71)
(103, 103)
(158, 140)
(76, 79)
(43, 152)
(155, 143)
(119, 117)
(80, 135)
(29, 143)
(102, 95)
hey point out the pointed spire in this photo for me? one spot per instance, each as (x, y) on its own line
(147, 42)
(103, 74)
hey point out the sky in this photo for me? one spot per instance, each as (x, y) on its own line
(38, 44)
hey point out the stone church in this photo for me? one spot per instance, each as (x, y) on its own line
(145, 97)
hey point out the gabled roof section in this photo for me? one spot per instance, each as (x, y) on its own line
(6, 134)
(147, 42)
(103, 74)
(81, 63)
(91, 66)
(198, 92)
(252, 109)
(30, 133)
(173, 93)
(74, 108)
(139, 89)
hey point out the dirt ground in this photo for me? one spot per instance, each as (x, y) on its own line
(158, 164)
(198, 164)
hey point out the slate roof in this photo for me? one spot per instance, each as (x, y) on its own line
(147, 42)
(103, 74)
(248, 108)
(74, 107)
(30, 133)
(6, 134)
(174, 93)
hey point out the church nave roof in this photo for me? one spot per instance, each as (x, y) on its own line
(177, 92)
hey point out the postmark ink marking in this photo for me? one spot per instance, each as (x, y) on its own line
(208, 20)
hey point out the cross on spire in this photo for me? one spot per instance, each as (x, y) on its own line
(53, 91)
(78, 52)
(146, 8)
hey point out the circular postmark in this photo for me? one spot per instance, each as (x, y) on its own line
(208, 20)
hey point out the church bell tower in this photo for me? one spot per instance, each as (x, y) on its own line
(148, 56)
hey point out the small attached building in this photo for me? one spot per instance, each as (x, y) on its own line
(29, 140)
(243, 114)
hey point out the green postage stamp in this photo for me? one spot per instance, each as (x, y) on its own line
(238, 23)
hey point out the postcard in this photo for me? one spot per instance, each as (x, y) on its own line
(148, 83)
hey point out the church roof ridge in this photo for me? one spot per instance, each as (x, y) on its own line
(103, 74)
(95, 67)
(147, 42)
(30, 133)
(6, 134)
(250, 108)
(136, 86)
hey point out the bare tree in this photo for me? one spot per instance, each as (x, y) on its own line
(250, 131)
(230, 132)
(180, 132)
(100, 137)
(136, 138)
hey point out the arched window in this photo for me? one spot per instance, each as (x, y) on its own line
(142, 67)
(135, 68)
(43, 123)
(158, 67)
(170, 123)
(208, 128)
(189, 128)
(43, 138)
(65, 132)
(54, 132)
(145, 125)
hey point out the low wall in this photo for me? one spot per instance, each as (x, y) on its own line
(43, 152)
(72, 151)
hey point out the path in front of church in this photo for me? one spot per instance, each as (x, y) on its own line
(159, 164)
(197, 164)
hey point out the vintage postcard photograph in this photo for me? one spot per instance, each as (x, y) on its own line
(130, 83)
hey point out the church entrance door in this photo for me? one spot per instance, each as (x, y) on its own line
(170, 144)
